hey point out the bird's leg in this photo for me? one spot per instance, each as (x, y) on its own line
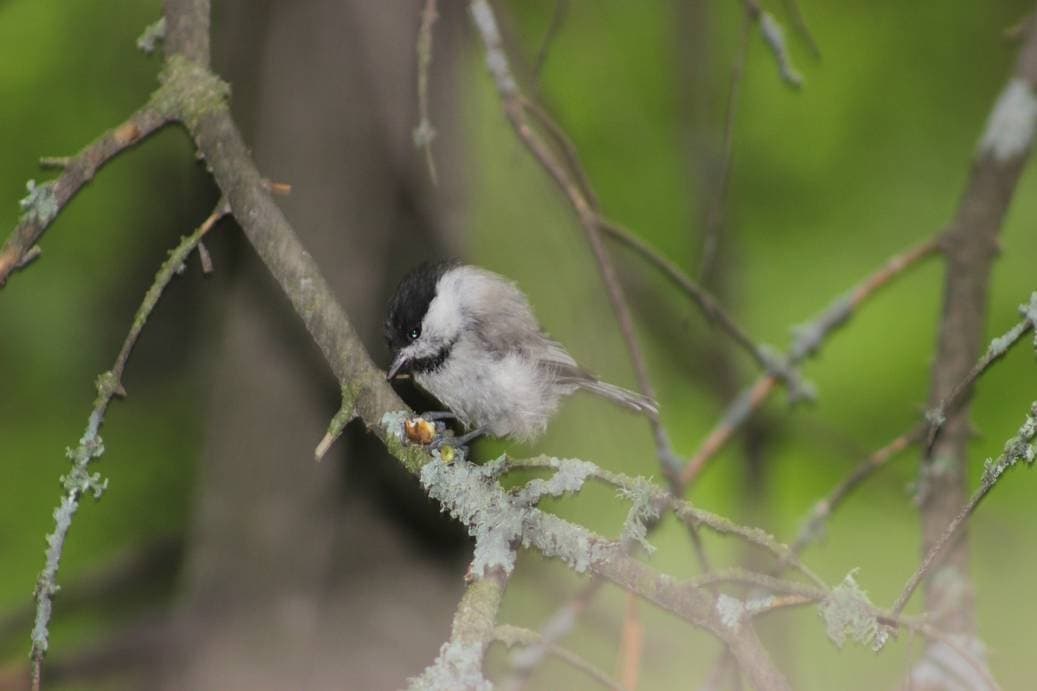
(439, 415)
(458, 442)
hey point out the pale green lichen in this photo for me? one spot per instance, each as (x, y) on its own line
(849, 615)
(346, 412)
(78, 482)
(189, 91)
(458, 666)
(1019, 447)
(393, 421)
(490, 514)
(500, 521)
(1029, 311)
(643, 510)
(153, 34)
(774, 35)
(733, 611)
(570, 474)
(40, 205)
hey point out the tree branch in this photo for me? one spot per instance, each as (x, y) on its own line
(807, 341)
(80, 481)
(970, 246)
(46, 201)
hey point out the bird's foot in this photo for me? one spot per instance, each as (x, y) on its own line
(457, 442)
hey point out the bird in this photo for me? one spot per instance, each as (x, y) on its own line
(468, 337)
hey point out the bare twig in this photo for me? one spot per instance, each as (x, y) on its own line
(714, 217)
(512, 636)
(631, 644)
(107, 582)
(995, 351)
(794, 12)
(46, 201)
(525, 660)
(707, 304)
(584, 206)
(1018, 448)
(80, 481)
(823, 509)
(346, 414)
(558, 15)
(808, 340)
(424, 133)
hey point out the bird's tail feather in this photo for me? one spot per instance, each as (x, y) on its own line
(624, 397)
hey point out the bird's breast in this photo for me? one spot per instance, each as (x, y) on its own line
(507, 394)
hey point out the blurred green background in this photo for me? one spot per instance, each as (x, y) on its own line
(867, 159)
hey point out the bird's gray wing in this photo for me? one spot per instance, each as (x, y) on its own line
(511, 327)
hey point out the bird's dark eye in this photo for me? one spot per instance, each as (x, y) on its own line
(414, 333)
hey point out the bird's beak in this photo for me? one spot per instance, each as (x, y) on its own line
(398, 362)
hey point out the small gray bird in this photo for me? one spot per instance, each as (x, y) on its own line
(468, 336)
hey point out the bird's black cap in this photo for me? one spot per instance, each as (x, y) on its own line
(410, 302)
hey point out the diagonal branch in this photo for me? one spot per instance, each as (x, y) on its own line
(46, 201)
(1017, 448)
(79, 480)
(808, 340)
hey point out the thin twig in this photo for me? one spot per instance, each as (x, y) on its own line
(80, 481)
(714, 217)
(46, 201)
(1018, 448)
(823, 509)
(512, 636)
(795, 13)
(558, 15)
(103, 584)
(995, 351)
(998, 347)
(424, 133)
(807, 342)
(703, 299)
(526, 660)
(513, 104)
(631, 645)
(707, 304)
